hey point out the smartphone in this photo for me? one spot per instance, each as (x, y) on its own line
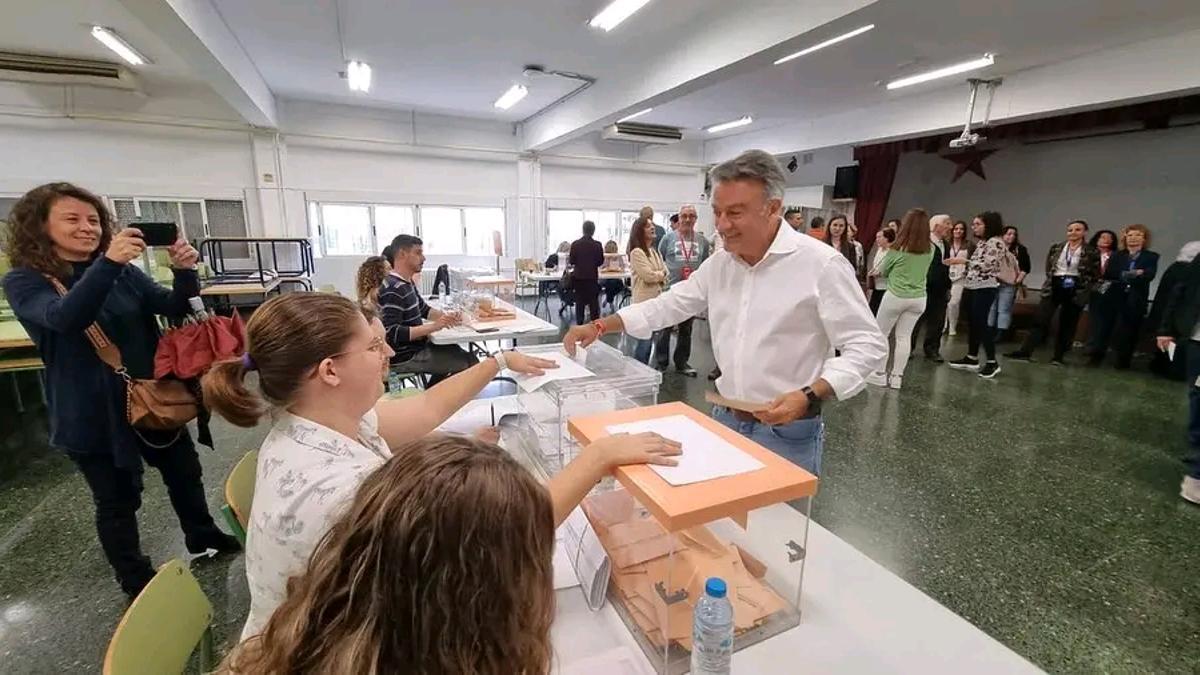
(158, 234)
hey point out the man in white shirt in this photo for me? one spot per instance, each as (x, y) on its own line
(778, 304)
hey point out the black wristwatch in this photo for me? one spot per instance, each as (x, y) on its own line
(814, 401)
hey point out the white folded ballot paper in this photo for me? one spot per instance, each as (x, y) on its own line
(582, 550)
(705, 455)
(568, 369)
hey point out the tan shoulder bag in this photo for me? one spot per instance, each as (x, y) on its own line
(153, 405)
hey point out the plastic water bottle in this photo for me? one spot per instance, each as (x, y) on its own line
(712, 630)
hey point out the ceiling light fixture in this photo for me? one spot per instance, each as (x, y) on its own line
(358, 76)
(118, 44)
(636, 114)
(822, 45)
(733, 124)
(510, 98)
(616, 12)
(966, 66)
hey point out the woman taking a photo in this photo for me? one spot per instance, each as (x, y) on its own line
(981, 287)
(320, 372)
(960, 252)
(649, 274)
(906, 265)
(368, 280)
(67, 233)
(1000, 317)
(837, 235)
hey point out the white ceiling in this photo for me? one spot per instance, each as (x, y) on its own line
(452, 56)
(911, 37)
(63, 28)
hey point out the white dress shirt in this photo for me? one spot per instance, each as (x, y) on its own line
(307, 474)
(1067, 264)
(775, 325)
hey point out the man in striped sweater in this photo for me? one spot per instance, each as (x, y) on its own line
(403, 312)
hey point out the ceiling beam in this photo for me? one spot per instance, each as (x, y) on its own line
(1156, 68)
(197, 33)
(743, 39)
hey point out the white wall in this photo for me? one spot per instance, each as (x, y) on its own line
(1148, 177)
(119, 143)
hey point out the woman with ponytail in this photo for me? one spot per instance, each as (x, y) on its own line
(320, 368)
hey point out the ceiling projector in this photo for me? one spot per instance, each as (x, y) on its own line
(967, 140)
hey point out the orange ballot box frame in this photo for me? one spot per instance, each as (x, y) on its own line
(678, 507)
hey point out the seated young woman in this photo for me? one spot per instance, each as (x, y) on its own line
(320, 368)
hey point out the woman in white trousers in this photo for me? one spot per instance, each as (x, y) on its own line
(960, 252)
(905, 265)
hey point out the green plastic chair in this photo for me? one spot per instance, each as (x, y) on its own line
(239, 495)
(163, 626)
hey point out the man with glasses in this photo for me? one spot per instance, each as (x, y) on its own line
(683, 250)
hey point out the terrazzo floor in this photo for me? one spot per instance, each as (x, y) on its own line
(1042, 507)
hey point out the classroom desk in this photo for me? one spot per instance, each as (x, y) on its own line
(241, 289)
(526, 325)
(856, 617)
(13, 335)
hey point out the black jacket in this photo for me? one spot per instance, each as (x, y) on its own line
(938, 279)
(1089, 271)
(1135, 290)
(586, 259)
(1182, 308)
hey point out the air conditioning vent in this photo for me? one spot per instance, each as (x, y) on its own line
(643, 133)
(57, 70)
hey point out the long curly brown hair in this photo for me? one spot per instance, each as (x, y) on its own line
(29, 245)
(368, 280)
(441, 565)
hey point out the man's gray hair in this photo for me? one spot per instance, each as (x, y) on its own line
(752, 165)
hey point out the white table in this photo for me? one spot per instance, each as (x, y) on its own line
(526, 325)
(856, 617)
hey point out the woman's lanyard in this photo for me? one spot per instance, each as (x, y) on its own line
(956, 251)
(1068, 258)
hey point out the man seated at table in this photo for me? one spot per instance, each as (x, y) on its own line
(403, 312)
(779, 303)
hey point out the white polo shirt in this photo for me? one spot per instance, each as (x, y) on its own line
(307, 474)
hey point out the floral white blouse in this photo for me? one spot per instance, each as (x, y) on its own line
(306, 474)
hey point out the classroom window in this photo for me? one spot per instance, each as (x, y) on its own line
(611, 225)
(391, 221)
(442, 230)
(484, 230)
(346, 229)
(365, 229)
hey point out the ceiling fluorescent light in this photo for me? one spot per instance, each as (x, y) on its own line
(636, 114)
(741, 122)
(966, 66)
(616, 12)
(358, 76)
(510, 98)
(119, 45)
(831, 41)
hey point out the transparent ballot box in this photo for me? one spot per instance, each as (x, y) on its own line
(502, 288)
(615, 382)
(743, 517)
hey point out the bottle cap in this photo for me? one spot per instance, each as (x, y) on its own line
(715, 586)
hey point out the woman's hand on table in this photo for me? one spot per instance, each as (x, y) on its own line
(125, 246)
(183, 255)
(526, 364)
(645, 448)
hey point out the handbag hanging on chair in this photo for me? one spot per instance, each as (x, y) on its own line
(151, 405)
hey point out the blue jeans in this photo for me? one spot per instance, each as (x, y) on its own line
(641, 349)
(800, 442)
(1001, 315)
(1193, 372)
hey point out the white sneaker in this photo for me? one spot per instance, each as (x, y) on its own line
(895, 381)
(1190, 489)
(877, 379)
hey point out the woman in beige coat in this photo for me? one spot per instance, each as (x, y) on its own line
(649, 274)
